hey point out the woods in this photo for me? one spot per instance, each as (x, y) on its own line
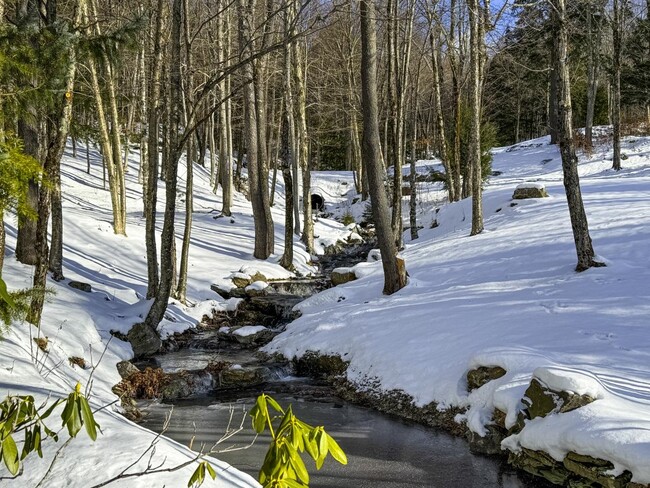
(253, 91)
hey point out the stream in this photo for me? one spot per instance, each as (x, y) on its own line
(383, 451)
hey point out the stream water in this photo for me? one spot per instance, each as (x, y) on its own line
(382, 451)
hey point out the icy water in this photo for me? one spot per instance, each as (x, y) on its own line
(383, 452)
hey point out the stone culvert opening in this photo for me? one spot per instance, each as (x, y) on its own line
(317, 202)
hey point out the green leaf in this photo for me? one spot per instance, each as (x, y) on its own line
(298, 464)
(49, 411)
(4, 295)
(289, 483)
(275, 405)
(10, 454)
(73, 420)
(335, 450)
(28, 445)
(37, 441)
(197, 477)
(88, 418)
(211, 471)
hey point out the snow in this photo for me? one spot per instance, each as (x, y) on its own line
(249, 330)
(257, 286)
(534, 186)
(508, 297)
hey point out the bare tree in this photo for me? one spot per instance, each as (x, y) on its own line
(579, 224)
(394, 269)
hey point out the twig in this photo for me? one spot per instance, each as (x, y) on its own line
(54, 459)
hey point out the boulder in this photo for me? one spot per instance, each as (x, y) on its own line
(342, 275)
(144, 340)
(252, 335)
(228, 293)
(126, 368)
(541, 400)
(482, 375)
(529, 190)
(185, 384)
(256, 288)
(241, 280)
(238, 376)
(80, 285)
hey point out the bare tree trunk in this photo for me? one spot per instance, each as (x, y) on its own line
(58, 129)
(584, 248)
(553, 122)
(394, 269)
(303, 148)
(616, 82)
(253, 115)
(593, 65)
(475, 115)
(26, 252)
(287, 154)
(143, 128)
(167, 240)
(450, 175)
(181, 287)
(153, 152)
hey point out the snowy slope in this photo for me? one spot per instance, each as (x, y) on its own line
(510, 297)
(79, 324)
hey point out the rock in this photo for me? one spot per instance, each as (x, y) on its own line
(186, 383)
(126, 368)
(482, 375)
(241, 280)
(539, 463)
(241, 377)
(594, 470)
(541, 401)
(488, 444)
(342, 275)
(252, 335)
(318, 365)
(144, 340)
(374, 255)
(335, 248)
(576, 470)
(257, 276)
(229, 293)
(256, 289)
(529, 190)
(355, 238)
(80, 285)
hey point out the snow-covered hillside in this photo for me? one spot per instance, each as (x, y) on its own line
(507, 297)
(510, 297)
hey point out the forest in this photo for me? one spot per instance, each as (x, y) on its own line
(156, 110)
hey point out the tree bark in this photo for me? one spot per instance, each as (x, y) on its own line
(594, 27)
(617, 35)
(579, 224)
(153, 153)
(394, 269)
(167, 240)
(440, 123)
(475, 115)
(58, 129)
(287, 257)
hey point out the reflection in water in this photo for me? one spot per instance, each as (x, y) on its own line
(382, 452)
